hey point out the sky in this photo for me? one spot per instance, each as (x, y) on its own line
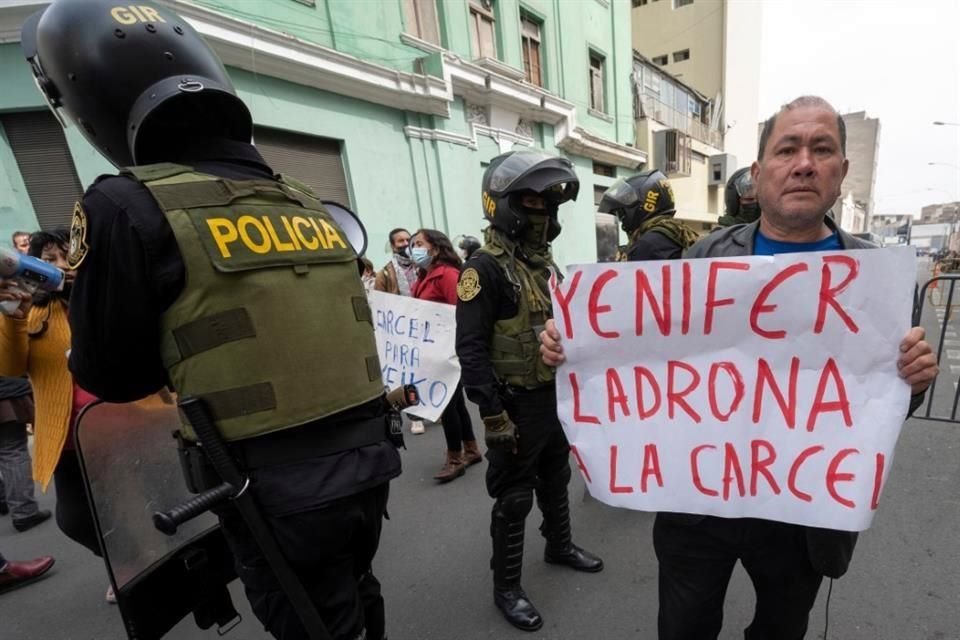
(897, 59)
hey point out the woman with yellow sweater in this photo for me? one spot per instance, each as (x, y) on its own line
(34, 341)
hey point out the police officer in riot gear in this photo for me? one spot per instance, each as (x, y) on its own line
(504, 301)
(197, 267)
(740, 200)
(645, 206)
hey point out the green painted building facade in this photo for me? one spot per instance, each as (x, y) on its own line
(391, 105)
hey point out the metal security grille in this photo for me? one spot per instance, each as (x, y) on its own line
(311, 160)
(939, 297)
(45, 164)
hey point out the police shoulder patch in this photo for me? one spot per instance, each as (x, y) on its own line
(468, 286)
(78, 237)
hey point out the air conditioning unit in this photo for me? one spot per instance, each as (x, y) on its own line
(720, 168)
(671, 152)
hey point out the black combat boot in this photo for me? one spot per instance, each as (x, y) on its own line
(556, 529)
(507, 565)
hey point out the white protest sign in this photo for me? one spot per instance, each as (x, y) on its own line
(759, 386)
(416, 342)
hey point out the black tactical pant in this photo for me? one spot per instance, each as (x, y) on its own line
(696, 560)
(541, 466)
(331, 550)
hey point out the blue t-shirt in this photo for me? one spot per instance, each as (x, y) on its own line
(764, 246)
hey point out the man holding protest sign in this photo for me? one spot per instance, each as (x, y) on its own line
(503, 303)
(788, 540)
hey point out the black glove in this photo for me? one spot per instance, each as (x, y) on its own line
(500, 432)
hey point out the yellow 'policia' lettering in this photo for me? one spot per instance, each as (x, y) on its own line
(299, 224)
(243, 222)
(223, 233)
(277, 243)
(260, 235)
(289, 228)
(332, 235)
(322, 240)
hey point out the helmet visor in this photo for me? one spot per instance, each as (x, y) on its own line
(745, 186)
(622, 194)
(28, 45)
(514, 167)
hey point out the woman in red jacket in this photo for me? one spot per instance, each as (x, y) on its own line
(439, 271)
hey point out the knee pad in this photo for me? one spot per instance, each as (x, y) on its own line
(514, 505)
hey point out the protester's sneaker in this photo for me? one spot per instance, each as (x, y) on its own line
(416, 427)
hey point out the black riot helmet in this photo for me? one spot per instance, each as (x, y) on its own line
(636, 199)
(740, 196)
(135, 79)
(467, 245)
(528, 171)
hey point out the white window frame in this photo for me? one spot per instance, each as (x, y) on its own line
(597, 81)
(480, 15)
(535, 39)
(419, 24)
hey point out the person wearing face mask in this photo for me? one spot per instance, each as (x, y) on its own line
(439, 271)
(740, 200)
(645, 206)
(34, 342)
(398, 275)
(503, 303)
(368, 274)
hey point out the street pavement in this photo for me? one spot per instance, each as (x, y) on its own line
(903, 584)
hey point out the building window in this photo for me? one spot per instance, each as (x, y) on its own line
(607, 170)
(677, 153)
(596, 82)
(315, 161)
(422, 19)
(482, 29)
(680, 56)
(696, 109)
(681, 3)
(530, 40)
(639, 3)
(660, 60)
(716, 169)
(651, 81)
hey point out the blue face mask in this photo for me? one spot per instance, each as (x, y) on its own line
(421, 256)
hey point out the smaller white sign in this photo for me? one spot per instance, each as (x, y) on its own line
(416, 342)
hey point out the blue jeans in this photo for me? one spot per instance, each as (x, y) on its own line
(15, 469)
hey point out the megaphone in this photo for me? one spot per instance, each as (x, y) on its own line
(29, 273)
(348, 221)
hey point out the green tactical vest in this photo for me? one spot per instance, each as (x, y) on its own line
(515, 344)
(272, 329)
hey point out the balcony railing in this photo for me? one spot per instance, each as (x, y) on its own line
(651, 107)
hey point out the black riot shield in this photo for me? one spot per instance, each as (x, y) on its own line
(131, 468)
